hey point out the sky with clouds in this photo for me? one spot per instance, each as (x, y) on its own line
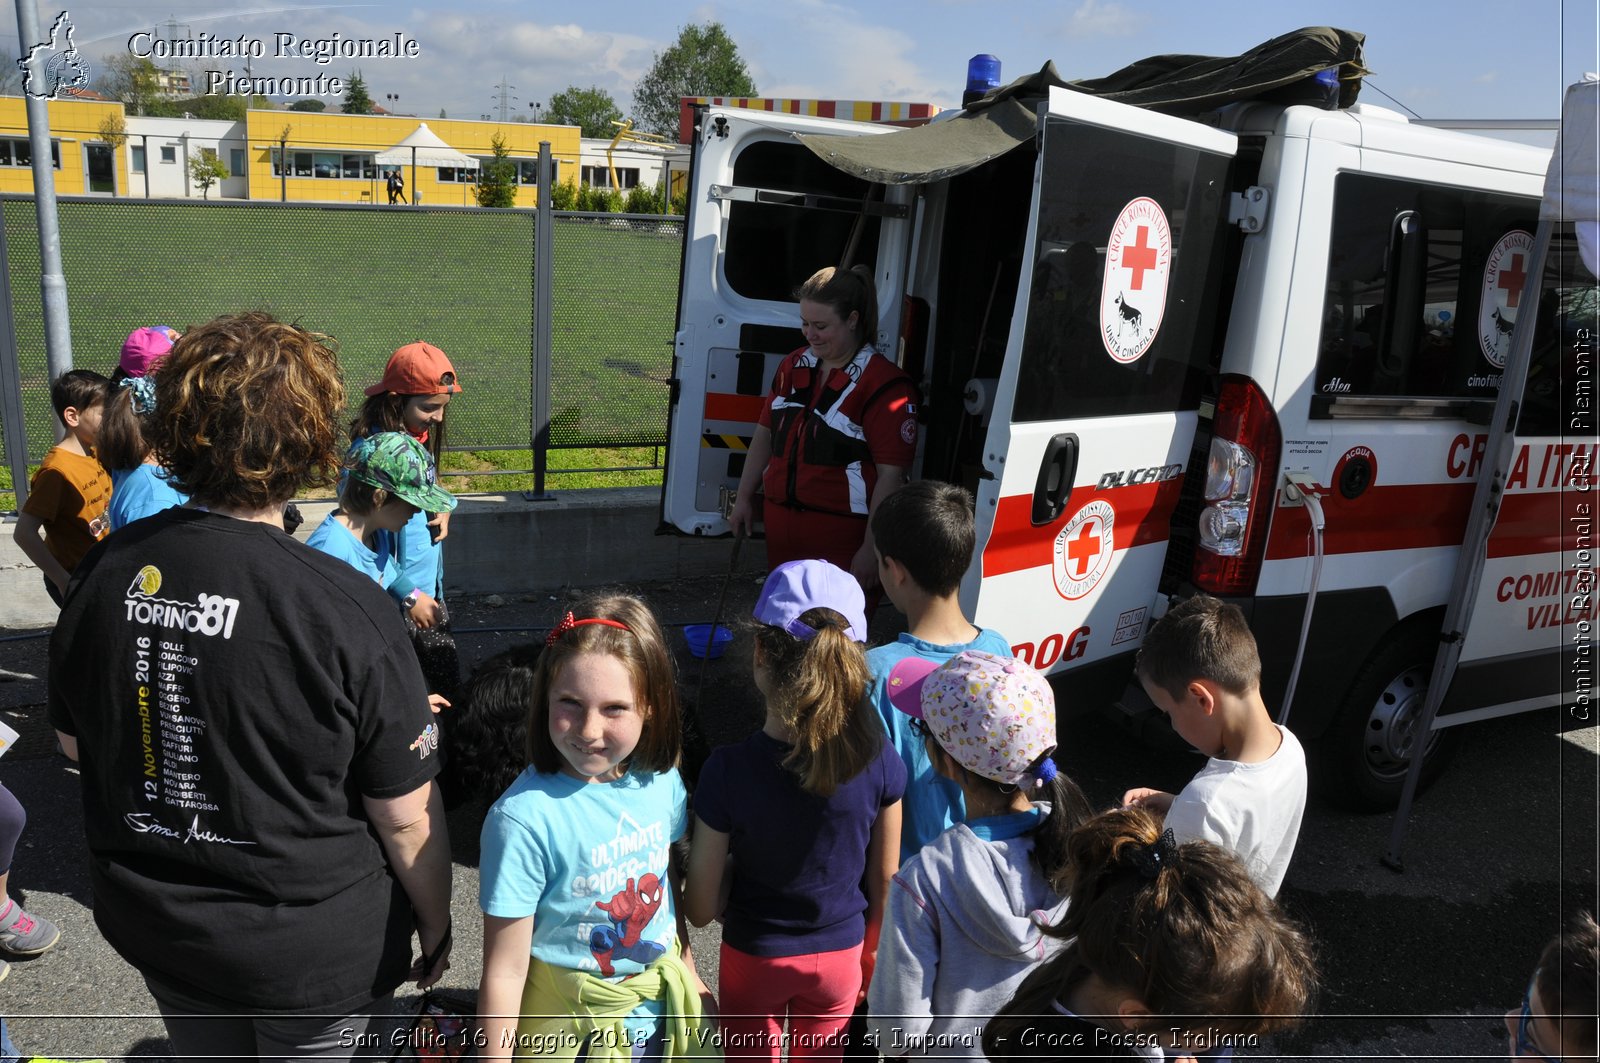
(1455, 59)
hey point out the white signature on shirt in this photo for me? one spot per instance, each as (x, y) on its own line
(145, 823)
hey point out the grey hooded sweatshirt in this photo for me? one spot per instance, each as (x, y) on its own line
(961, 930)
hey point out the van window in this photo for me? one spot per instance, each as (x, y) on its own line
(1464, 243)
(1559, 397)
(773, 247)
(1089, 176)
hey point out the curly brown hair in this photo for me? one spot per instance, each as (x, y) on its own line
(248, 411)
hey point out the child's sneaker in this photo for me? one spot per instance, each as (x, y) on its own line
(22, 934)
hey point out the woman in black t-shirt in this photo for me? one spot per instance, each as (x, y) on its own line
(256, 742)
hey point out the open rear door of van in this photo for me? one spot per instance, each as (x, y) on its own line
(1534, 593)
(764, 214)
(1519, 629)
(1111, 342)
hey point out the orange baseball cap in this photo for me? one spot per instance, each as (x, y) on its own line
(417, 369)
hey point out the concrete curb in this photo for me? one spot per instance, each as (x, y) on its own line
(498, 543)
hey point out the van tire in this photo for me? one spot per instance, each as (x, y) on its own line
(1363, 758)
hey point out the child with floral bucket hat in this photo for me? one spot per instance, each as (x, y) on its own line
(966, 915)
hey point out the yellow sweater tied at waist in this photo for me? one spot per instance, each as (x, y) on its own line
(562, 1010)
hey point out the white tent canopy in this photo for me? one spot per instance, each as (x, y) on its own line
(424, 148)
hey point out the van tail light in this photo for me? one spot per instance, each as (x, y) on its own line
(1240, 472)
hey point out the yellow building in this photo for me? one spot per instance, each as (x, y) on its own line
(85, 161)
(333, 157)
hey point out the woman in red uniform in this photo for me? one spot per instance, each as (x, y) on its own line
(836, 436)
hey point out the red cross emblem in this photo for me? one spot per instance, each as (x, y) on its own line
(1139, 257)
(1085, 548)
(1512, 278)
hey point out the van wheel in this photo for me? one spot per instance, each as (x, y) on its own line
(1367, 751)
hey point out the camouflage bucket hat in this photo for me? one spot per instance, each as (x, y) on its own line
(400, 465)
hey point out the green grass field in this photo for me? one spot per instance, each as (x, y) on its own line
(374, 279)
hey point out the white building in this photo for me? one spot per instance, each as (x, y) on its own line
(159, 150)
(634, 164)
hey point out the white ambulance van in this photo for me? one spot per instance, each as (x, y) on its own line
(1139, 337)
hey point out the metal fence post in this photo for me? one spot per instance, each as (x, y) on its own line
(52, 280)
(543, 304)
(12, 414)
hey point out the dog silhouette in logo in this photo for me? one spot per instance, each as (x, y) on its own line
(1130, 316)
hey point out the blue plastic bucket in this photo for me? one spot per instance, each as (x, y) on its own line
(703, 643)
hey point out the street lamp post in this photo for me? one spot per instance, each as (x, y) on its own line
(393, 98)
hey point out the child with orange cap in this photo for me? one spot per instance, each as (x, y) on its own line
(412, 397)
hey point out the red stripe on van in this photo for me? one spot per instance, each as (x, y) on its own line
(1423, 516)
(721, 406)
(1392, 517)
(1142, 515)
(1543, 522)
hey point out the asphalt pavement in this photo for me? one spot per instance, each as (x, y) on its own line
(1419, 964)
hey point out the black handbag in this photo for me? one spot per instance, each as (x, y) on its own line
(445, 1027)
(438, 656)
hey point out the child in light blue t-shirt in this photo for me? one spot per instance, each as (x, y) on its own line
(386, 485)
(584, 946)
(924, 537)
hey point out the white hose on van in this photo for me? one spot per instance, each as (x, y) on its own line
(1298, 485)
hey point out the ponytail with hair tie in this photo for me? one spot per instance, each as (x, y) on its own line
(1149, 859)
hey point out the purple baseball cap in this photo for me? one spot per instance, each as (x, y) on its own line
(795, 587)
(144, 347)
(995, 715)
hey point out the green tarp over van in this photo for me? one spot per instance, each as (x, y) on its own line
(1175, 84)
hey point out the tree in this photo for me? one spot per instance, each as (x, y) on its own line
(136, 83)
(497, 185)
(308, 105)
(230, 108)
(592, 110)
(206, 169)
(114, 131)
(356, 100)
(11, 75)
(703, 62)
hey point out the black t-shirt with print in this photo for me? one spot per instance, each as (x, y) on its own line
(235, 694)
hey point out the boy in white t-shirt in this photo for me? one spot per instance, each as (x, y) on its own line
(1200, 666)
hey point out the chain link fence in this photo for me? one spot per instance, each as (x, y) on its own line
(373, 278)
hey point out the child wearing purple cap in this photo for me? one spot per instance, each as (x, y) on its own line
(809, 809)
(966, 915)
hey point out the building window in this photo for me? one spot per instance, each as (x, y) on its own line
(18, 151)
(138, 158)
(525, 171)
(169, 153)
(600, 177)
(236, 162)
(321, 164)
